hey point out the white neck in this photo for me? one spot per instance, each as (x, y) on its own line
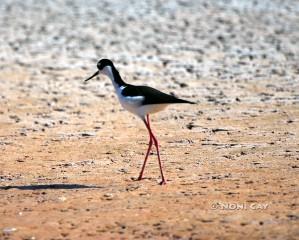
(108, 72)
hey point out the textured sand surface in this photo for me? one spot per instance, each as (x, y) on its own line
(69, 154)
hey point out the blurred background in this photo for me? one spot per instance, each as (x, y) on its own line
(167, 44)
(226, 39)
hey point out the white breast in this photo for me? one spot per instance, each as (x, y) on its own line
(134, 104)
(131, 104)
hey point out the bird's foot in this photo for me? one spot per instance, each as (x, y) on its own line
(139, 178)
(163, 182)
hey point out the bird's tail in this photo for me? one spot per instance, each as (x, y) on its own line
(178, 100)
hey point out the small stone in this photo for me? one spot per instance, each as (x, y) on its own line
(59, 109)
(183, 85)
(9, 230)
(108, 196)
(190, 125)
(62, 199)
(30, 238)
(88, 134)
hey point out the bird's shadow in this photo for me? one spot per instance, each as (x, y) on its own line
(49, 186)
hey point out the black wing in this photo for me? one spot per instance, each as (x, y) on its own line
(151, 95)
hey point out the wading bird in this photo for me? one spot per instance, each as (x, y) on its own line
(139, 100)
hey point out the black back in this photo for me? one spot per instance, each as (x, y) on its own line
(151, 95)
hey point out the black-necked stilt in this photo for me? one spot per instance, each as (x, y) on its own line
(139, 100)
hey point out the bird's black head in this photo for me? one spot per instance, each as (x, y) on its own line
(104, 63)
(101, 65)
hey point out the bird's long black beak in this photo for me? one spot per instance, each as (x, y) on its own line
(95, 74)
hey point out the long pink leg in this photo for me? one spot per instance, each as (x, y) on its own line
(157, 148)
(147, 153)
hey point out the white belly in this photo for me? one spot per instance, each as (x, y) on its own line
(134, 105)
(131, 104)
(150, 109)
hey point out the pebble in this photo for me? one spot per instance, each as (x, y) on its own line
(62, 199)
(9, 230)
(108, 196)
(88, 134)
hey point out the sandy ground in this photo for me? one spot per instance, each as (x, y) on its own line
(69, 154)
